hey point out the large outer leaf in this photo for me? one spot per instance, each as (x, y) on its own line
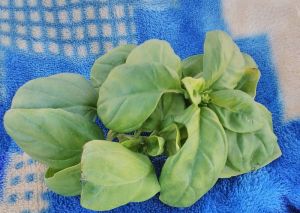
(192, 171)
(155, 51)
(251, 151)
(169, 104)
(103, 65)
(52, 136)
(67, 91)
(113, 175)
(248, 82)
(192, 66)
(223, 63)
(65, 182)
(131, 93)
(236, 110)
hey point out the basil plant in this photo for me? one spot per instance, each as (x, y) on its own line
(200, 113)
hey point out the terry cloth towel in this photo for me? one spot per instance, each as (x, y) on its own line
(44, 37)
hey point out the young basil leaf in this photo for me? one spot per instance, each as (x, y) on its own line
(65, 182)
(67, 91)
(192, 66)
(124, 137)
(191, 172)
(113, 176)
(124, 106)
(248, 82)
(154, 145)
(52, 136)
(194, 86)
(236, 110)
(251, 151)
(223, 62)
(172, 138)
(170, 104)
(134, 144)
(107, 62)
(155, 51)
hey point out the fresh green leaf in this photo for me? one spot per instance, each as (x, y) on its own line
(67, 91)
(172, 138)
(236, 110)
(154, 145)
(134, 144)
(169, 105)
(113, 176)
(193, 66)
(65, 182)
(194, 87)
(251, 151)
(131, 93)
(223, 63)
(52, 136)
(248, 82)
(107, 62)
(191, 172)
(155, 51)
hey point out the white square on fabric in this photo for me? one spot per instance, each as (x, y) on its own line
(94, 47)
(76, 15)
(49, 17)
(106, 28)
(36, 32)
(22, 44)
(63, 16)
(121, 29)
(81, 51)
(19, 15)
(68, 49)
(21, 29)
(51, 32)
(38, 47)
(104, 12)
(79, 33)
(119, 11)
(53, 47)
(92, 30)
(90, 12)
(66, 33)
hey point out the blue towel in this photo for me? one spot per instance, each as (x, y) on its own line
(43, 37)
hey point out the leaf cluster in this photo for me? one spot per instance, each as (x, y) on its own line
(199, 112)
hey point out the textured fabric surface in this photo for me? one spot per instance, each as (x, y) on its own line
(44, 37)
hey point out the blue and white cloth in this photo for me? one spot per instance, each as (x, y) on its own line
(44, 37)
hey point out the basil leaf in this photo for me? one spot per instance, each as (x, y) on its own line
(103, 65)
(67, 91)
(52, 136)
(124, 106)
(194, 86)
(154, 145)
(65, 182)
(155, 51)
(223, 62)
(236, 110)
(172, 138)
(192, 66)
(248, 82)
(170, 104)
(191, 172)
(133, 144)
(251, 151)
(113, 176)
